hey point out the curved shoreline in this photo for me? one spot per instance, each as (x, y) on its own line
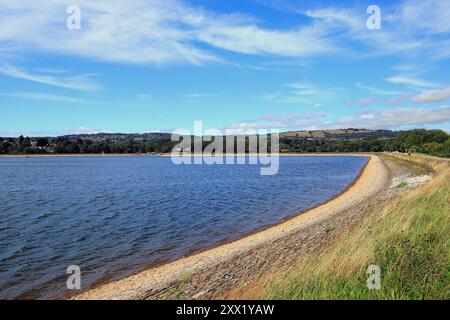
(291, 154)
(154, 281)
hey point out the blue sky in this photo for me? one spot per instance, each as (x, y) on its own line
(140, 66)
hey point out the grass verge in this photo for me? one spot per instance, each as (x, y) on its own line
(416, 167)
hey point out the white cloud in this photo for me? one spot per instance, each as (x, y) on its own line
(51, 70)
(305, 89)
(367, 116)
(432, 96)
(172, 31)
(270, 96)
(427, 17)
(395, 118)
(199, 95)
(404, 67)
(301, 93)
(150, 31)
(350, 24)
(374, 119)
(376, 91)
(250, 39)
(411, 81)
(43, 96)
(79, 82)
(411, 27)
(280, 122)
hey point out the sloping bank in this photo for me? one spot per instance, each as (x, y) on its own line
(216, 271)
(407, 237)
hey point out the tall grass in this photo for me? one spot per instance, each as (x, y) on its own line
(408, 238)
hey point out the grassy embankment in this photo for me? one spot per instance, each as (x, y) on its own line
(408, 237)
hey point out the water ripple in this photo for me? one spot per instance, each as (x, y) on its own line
(113, 216)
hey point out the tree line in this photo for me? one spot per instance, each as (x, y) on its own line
(433, 142)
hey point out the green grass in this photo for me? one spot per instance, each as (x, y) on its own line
(415, 262)
(402, 184)
(416, 168)
(408, 238)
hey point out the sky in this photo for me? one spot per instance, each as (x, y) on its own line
(157, 65)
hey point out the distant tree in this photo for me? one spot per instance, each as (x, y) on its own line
(42, 142)
(439, 136)
(432, 147)
(5, 147)
(27, 142)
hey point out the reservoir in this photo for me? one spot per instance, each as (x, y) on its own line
(116, 215)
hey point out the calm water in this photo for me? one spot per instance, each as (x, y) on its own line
(116, 215)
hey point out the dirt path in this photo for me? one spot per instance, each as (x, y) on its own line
(212, 273)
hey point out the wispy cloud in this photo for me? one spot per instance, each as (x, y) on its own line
(411, 27)
(394, 118)
(425, 17)
(79, 82)
(278, 122)
(270, 96)
(173, 31)
(153, 32)
(301, 93)
(199, 95)
(411, 82)
(432, 96)
(43, 96)
(296, 119)
(251, 39)
(350, 24)
(404, 67)
(306, 89)
(376, 91)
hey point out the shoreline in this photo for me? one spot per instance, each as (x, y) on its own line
(153, 281)
(44, 155)
(293, 154)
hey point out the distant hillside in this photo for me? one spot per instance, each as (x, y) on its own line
(346, 134)
(122, 137)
